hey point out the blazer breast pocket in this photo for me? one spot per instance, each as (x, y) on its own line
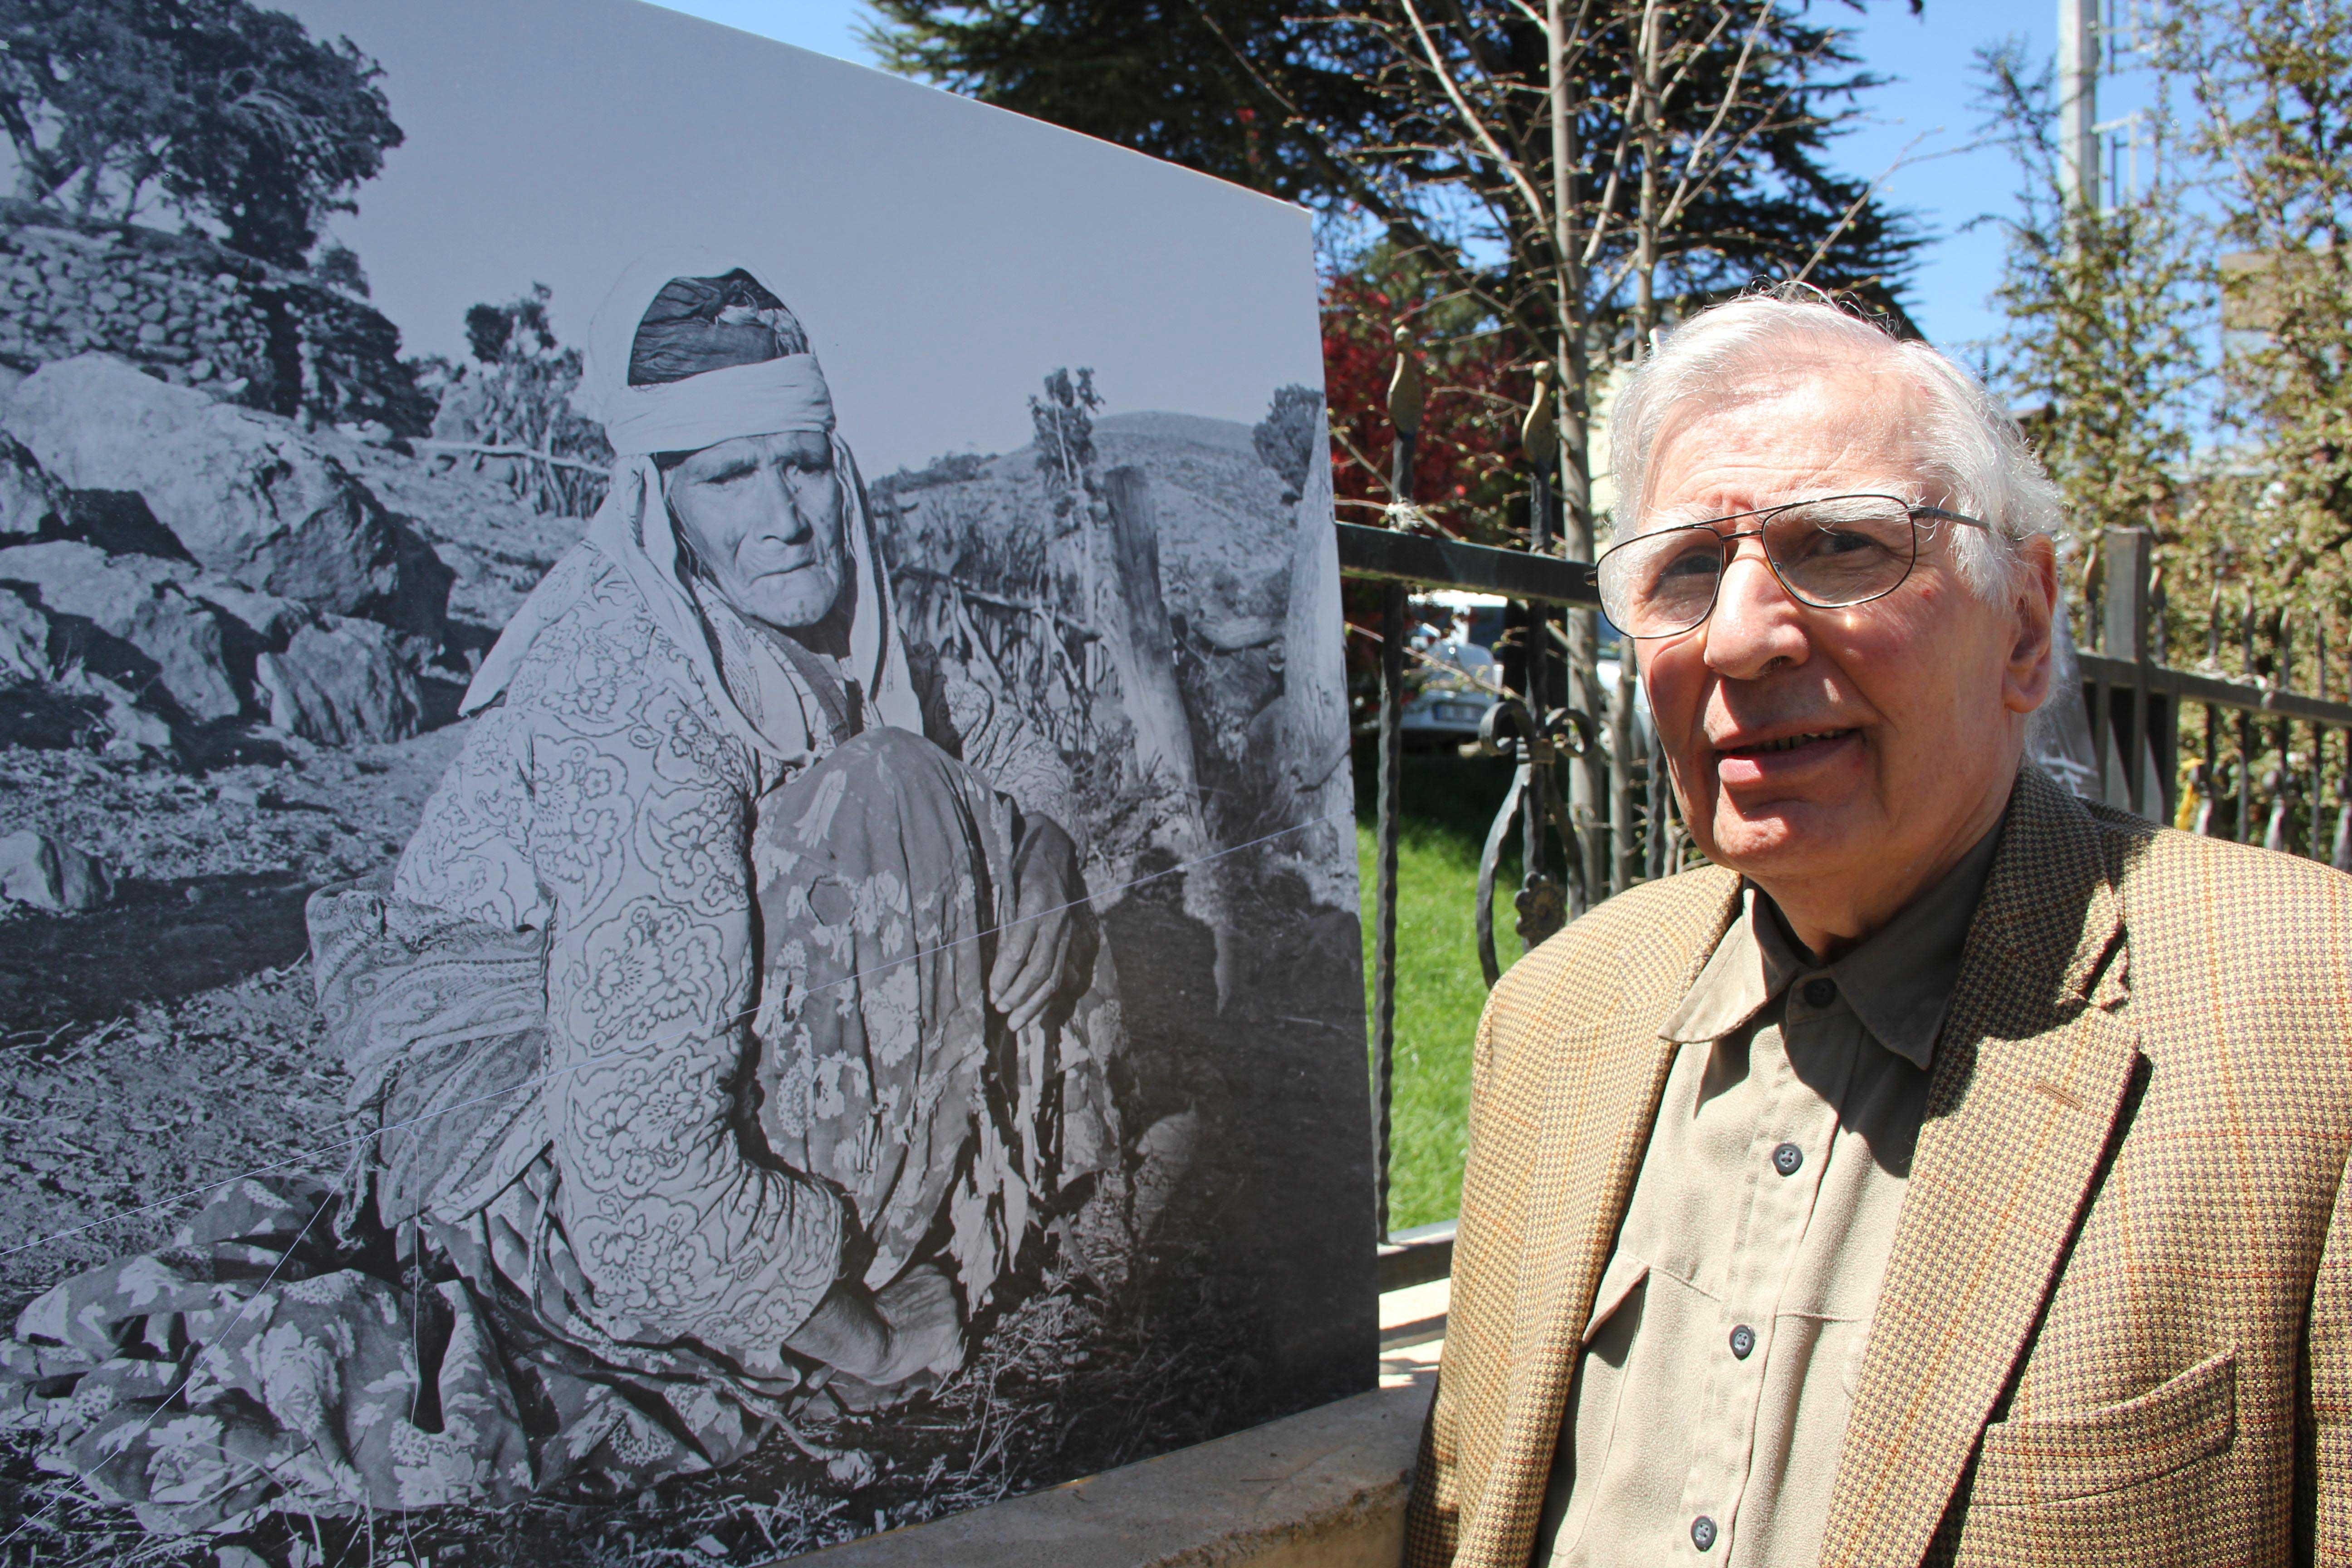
(2112, 1448)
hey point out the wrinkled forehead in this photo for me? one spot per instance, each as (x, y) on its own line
(1830, 427)
(808, 450)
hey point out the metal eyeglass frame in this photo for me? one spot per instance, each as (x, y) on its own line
(1913, 510)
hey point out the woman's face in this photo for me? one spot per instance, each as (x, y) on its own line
(762, 515)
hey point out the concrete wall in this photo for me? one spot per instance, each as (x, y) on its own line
(199, 315)
(1324, 1488)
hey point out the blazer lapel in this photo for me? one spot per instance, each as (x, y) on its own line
(1599, 1109)
(2030, 1074)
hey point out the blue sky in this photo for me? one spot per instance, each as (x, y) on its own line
(1929, 56)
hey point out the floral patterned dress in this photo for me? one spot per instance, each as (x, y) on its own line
(663, 1038)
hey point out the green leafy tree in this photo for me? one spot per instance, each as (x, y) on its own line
(2108, 312)
(2234, 446)
(1181, 79)
(2270, 82)
(231, 115)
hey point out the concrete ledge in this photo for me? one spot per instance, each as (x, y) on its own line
(1324, 1488)
(1416, 1257)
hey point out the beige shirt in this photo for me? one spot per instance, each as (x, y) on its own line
(1719, 1365)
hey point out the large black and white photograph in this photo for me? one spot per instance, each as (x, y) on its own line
(676, 865)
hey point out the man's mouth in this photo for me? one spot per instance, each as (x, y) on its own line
(1785, 743)
(1781, 751)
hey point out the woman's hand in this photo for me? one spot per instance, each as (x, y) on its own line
(926, 1326)
(1032, 949)
(910, 1326)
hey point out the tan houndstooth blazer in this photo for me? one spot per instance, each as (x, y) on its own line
(2117, 1323)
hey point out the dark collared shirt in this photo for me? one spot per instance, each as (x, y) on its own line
(1718, 1368)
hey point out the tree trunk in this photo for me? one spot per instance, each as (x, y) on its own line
(1624, 866)
(1586, 782)
(1146, 646)
(1315, 697)
(1143, 646)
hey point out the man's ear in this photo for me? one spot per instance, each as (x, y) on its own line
(2025, 678)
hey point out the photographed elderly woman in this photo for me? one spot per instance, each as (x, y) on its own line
(727, 1037)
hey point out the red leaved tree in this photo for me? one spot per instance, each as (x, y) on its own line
(1467, 474)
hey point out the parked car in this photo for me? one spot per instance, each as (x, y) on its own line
(1450, 694)
(1452, 678)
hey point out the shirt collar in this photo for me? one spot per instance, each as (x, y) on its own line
(1898, 982)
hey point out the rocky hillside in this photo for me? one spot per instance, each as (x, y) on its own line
(230, 648)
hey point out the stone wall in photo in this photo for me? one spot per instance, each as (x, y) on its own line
(199, 315)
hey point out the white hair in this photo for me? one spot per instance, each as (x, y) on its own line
(1976, 459)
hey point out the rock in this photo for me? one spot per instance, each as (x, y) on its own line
(184, 640)
(29, 499)
(339, 682)
(23, 641)
(118, 522)
(47, 874)
(132, 730)
(467, 567)
(139, 600)
(270, 619)
(77, 579)
(248, 496)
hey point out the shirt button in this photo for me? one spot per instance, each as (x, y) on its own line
(1786, 1158)
(1702, 1532)
(1820, 992)
(1743, 1340)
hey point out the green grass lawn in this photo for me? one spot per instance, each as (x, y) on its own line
(1448, 804)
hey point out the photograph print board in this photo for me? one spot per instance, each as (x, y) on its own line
(677, 871)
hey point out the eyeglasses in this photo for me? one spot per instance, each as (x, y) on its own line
(1831, 553)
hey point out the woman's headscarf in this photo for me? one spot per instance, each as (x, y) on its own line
(778, 395)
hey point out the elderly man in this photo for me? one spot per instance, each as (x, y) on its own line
(1952, 1171)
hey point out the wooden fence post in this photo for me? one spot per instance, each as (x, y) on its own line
(1143, 646)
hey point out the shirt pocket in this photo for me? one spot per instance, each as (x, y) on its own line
(1588, 1430)
(2114, 1448)
(1624, 1275)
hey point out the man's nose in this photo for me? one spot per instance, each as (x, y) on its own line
(1756, 625)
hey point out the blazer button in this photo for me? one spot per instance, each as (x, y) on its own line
(1786, 1158)
(1702, 1532)
(1743, 1342)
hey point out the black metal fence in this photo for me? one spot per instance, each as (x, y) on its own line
(2268, 764)
(2271, 765)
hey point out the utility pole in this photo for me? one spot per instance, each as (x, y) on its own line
(2078, 103)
